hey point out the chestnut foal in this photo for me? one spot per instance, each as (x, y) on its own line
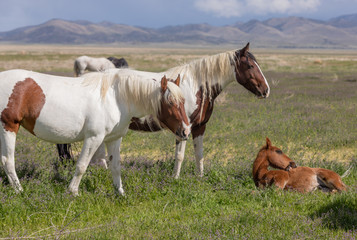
(301, 179)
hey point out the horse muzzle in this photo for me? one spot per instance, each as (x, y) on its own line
(183, 134)
(290, 166)
(264, 94)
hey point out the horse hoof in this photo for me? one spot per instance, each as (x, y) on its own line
(73, 193)
(19, 189)
(121, 192)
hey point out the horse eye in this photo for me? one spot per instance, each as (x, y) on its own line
(278, 151)
(251, 66)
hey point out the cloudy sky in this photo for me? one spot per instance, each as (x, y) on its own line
(160, 13)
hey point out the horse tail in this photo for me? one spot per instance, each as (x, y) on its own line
(76, 68)
(348, 171)
(64, 151)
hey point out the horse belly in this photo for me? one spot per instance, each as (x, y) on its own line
(62, 118)
(58, 131)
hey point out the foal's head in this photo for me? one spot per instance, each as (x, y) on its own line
(276, 158)
(249, 74)
(172, 114)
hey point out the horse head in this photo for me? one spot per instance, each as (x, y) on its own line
(276, 158)
(118, 62)
(172, 114)
(249, 74)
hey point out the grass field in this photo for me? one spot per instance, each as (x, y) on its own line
(311, 115)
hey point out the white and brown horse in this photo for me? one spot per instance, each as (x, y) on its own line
(202, 81)
(301, 179)
(83, 63)
(95, 108)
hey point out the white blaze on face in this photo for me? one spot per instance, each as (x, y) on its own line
(266, 82)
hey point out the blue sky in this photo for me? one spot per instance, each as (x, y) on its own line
(160, 13)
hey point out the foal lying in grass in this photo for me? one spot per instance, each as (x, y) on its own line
(302, 179)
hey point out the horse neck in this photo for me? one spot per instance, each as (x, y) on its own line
(260, 165)
(210, 75)
(143, 97)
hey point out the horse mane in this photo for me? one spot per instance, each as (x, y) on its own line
(206, 71)
(142, 92)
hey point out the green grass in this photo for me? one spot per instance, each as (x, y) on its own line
(311, 115)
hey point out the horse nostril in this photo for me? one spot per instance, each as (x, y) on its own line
(266, 92)
(184, 134)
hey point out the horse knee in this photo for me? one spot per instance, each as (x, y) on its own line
(81, 168)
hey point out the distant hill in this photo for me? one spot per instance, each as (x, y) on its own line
(339, 32)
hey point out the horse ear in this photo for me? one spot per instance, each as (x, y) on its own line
(163, 83)
(268, 142)
(244, 50)
(177, 81)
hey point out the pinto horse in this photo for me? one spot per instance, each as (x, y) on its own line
(301, 179)
(202, 81)
(91, 64)
(95, 108)
(83, 63)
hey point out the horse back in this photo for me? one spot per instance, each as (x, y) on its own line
(42, 103)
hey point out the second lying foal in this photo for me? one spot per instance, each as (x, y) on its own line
(302, 179)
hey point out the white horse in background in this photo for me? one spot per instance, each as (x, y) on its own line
(95, 108)
(83, 63)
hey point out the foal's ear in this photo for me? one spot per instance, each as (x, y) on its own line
(268, 142)
(177, 81)
(163, 83)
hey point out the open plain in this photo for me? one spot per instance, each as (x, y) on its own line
(311, 115)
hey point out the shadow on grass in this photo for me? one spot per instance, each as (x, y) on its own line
(340, 214)
(63, 170)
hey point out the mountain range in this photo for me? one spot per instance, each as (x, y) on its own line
(289, 32)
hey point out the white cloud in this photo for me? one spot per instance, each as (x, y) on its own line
(220, 8)
(236, 8)
(282, 6)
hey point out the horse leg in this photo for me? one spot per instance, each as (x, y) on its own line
(179, 155)
(90, 145)
(99, 157)
(114, 159)
(197, 134)
(278, 178)
(281, 179)
(329, 179)
(8, 141)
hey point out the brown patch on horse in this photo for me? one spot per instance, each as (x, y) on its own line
(204, 109)
(24, 106)
(146, 126)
